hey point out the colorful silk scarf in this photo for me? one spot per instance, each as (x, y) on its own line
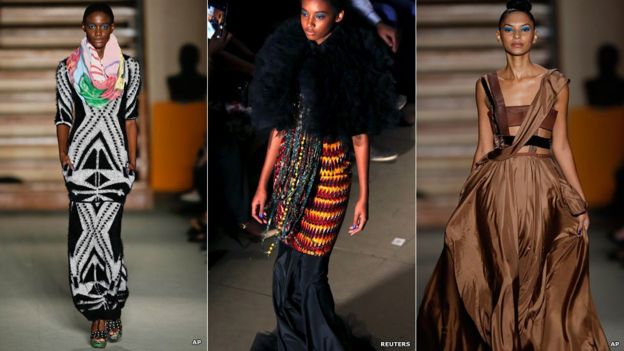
(97, 81)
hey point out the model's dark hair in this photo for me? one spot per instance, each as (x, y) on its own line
(98, 7)
(517, 6)
(337, 5)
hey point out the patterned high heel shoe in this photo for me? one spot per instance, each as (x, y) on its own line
(114, 330)
(98, 336)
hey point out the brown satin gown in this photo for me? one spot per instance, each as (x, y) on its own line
(513, 273)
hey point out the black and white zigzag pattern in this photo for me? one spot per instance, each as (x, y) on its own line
(98, 276)
(97, 185)
(98, 142)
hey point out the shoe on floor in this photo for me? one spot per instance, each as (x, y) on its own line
(401, 102)
(379, 155)
(252, 228)
(191, 196)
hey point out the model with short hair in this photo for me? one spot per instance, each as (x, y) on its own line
(321, 86)
(97, 89)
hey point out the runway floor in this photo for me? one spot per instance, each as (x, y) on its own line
(166, 309)
(372, 280)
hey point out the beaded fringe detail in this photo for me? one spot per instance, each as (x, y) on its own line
(294, 178)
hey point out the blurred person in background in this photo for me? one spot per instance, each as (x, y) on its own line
(607, 91)
(188, 85)
(390, 19)
(230, 134)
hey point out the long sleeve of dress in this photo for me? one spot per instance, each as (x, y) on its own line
(64, 101)
(132, 101)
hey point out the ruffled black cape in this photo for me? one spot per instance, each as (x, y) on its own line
(349, 73)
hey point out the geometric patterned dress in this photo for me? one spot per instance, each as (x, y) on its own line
(302, 298)
(317, 114)
(318, 229)
(97, 187)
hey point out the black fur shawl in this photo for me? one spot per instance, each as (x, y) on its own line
(349, 74)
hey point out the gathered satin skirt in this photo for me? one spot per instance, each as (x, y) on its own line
(514, 272)
(304, 307)
(303, 303)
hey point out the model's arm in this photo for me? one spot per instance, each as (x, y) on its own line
(259, 199)
(360, 215)
(62, 134)
(563, 153)
(132, 134)
(485, 143)
(64, 111)
(132, 113)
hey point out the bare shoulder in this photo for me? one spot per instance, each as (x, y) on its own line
(478, 84)
(481, 80)
(479, 90)
(559, 82)
(480, 95)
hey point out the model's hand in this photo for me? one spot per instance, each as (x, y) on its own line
(257, 206)
(65, 161)
(389, 35)
(131, 167)
(583, 223)
(360, 216)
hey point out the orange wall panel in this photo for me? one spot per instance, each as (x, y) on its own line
(178, 131)
(597, 141)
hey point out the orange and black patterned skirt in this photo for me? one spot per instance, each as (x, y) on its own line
(317, 230)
